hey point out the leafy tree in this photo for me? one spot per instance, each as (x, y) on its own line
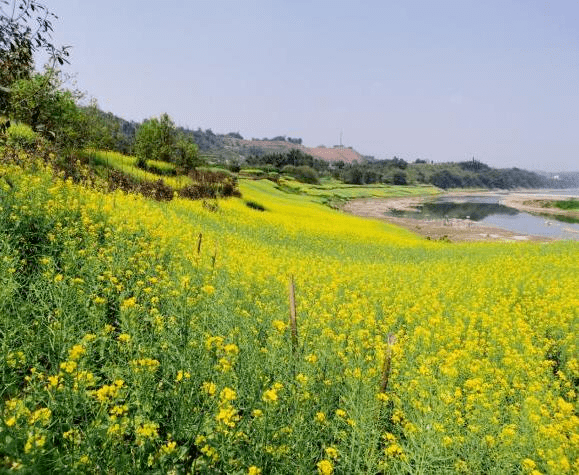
(155, 140)
(186, 153)
(158, 139)
(41, 103)
(25, 28)
(399, 178)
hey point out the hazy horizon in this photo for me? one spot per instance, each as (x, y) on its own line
(442, 81)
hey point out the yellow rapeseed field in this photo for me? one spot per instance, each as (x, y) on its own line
(142, 336)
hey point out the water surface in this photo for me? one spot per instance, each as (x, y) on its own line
(487, 209)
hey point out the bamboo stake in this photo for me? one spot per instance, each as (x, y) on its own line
(387, 362)
(293, 319)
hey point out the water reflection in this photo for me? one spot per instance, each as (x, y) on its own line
(487, 210)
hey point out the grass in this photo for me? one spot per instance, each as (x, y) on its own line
(127, 165)
(571, 204)
(333, 192)
(140, 336)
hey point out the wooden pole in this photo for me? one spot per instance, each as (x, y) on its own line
(213, 258)
(199, 243)
(387, 362)
(292, 317)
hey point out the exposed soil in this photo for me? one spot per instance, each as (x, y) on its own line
(436, 229)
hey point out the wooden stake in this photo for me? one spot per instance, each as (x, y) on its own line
(387, 362)
(213, 258)
(293, 319)
(199, 243)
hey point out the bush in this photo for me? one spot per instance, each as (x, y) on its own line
(21, 136)
(254, 205)
(303, 174)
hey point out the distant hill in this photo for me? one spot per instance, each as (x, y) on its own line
(232, 146)
(262, 147)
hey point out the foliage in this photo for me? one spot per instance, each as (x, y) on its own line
(25, 27)
(105, 131)
(254, 205)
(155, 140)
(469, 174)
(293, 157)
(302, 173)
(21, 136)
(41, 103)
(158, 139)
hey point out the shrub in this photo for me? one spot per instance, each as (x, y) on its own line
(254, 205)
(303, 174)
(21, 136)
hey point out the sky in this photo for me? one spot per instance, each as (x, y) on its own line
(443, 80)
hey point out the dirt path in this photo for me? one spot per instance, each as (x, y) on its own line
(436, 229)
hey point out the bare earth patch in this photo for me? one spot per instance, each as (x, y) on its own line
(436, 229)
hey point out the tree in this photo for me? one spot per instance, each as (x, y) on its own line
(186, 153)
(158, 139)
(25, 28)
(41, 103)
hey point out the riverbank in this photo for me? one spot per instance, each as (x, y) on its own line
(544, 205)
(461, 230)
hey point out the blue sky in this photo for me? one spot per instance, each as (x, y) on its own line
(438, 80)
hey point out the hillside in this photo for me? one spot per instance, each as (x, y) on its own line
(149, 336)
(245, 148)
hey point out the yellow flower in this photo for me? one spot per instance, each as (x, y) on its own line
(279, 325)
(76, 352)
(129, 303)
(68, 366)
(528, 465)
(332, 452)
(35, 440)
(227, 394)
(208, 289)
(320, 417)
(325, 467)
(145, 364)
(270, 396)
(209, 388)
(43, 415)
(10, 421)
(253, 470)
(182, 375)
(311, 358)
(124, 338)
(227, 415)
(302, 379)
(169, 448)
(383, 397)
(231, 349)
(146, 430)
